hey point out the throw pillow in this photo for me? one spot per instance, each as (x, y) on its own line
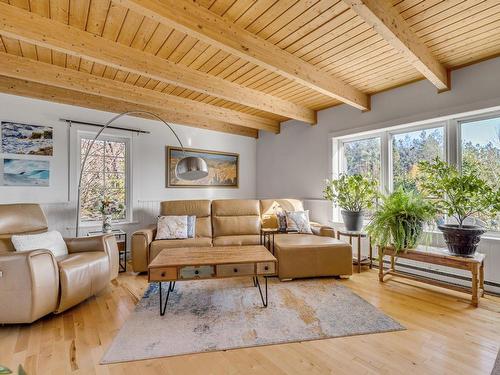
(281, 218)
(172, 227)
(52, 241)
(191, 226)
(298, 220)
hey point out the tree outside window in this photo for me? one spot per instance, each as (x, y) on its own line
(363, 157)
(410, 148)
(104, 176)
(481, 153)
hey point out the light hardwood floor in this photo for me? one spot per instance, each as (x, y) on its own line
(444, 335)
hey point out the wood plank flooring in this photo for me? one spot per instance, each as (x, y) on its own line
(444, 335)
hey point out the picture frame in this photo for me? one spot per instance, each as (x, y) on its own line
(223, 168)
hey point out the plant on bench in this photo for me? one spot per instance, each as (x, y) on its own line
(400, 219)
(461, 196)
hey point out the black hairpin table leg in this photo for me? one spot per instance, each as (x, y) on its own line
(163, 306)
(264, 300)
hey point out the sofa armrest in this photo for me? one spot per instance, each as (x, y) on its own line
(141, 240)
(106, 243)
(29, 285)
(323, 230)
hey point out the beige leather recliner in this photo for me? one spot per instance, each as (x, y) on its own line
(35, 283)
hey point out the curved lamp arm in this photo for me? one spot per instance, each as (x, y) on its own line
(92, 145)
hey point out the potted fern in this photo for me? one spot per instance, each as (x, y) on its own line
(460, 196)
(399, 220)
(353, 194)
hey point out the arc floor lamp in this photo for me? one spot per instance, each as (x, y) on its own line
(188, 168)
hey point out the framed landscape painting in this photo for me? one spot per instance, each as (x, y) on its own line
(22, 172)
(26, 139)
(223, 168)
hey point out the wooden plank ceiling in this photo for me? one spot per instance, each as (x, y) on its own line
(236, 66)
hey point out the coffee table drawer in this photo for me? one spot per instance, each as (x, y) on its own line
(196, 272)
(163, 274)
(243, 269)
(266, 268)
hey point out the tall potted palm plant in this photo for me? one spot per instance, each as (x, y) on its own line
(353, 194)
(460, 196)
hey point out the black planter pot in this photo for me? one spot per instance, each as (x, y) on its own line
(353, 221)
(462, 241)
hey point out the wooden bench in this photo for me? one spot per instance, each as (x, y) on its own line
(438, 256)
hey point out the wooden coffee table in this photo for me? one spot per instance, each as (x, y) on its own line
(199, 263)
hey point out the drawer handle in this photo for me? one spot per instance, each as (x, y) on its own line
(266, 268)
(235, 270)
(196, 272)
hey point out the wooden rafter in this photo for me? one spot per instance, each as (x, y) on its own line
(30, 27)
(55, 94)
(391, 26)
(22, 68)
(202, 24)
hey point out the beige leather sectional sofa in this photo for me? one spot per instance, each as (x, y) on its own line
(35, 283)
(238, 222)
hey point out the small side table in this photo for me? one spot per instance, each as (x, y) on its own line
(359, 235)
(121, 240)
(267, 238)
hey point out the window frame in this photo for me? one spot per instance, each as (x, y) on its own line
(128, 172)
(452, 143)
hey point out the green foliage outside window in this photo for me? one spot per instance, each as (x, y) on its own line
(104, 177)
(408, 150)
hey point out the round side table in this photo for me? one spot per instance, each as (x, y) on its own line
(358, 235)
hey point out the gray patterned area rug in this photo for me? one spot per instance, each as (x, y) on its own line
(213, 315)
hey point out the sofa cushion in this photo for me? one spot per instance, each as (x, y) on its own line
(240, 240)
(298, 220)
(199, 208)
(232, 217)
(81, 275)
(157, 246)
(172, 227)
(268, 208)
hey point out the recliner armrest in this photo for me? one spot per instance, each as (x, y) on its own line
(141, 240)
(105, 242)
(29, 285)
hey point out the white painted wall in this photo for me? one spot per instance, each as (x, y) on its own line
(296, 162)
(148, 160)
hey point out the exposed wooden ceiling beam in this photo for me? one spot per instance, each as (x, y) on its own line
(202, 24)
(23, 68)
(30, 27)
(391, 26)
(35, 90)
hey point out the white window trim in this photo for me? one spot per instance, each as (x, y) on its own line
(452, 147)
(77, 132)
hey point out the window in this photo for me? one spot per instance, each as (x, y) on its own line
(411, 147)
(391, 155)
(105, 175)
(362, 157)
(480, 150)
